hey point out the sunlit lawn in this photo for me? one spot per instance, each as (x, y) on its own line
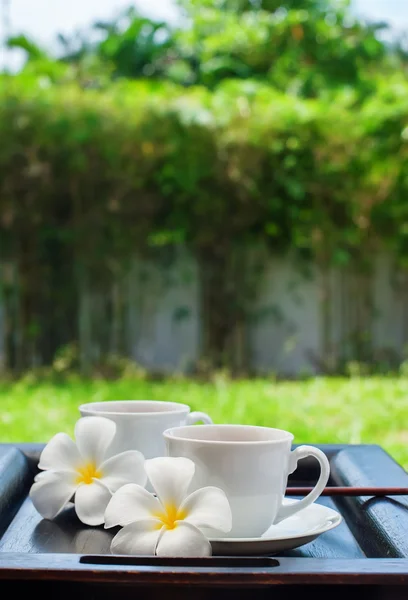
(321, 410)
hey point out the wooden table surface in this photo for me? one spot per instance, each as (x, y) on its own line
(365, 556)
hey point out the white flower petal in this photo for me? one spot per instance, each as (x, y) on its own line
(44, 474)
(184, 540)
(93, 437)
(60, 453)
(91, 500)
(170, 478)
(127, 467)
(51, 492)
(138, 538)
(129, 504)
(208, 507)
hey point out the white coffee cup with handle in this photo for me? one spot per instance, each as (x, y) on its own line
(251, 464)
(140, 423)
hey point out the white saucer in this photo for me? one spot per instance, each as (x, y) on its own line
(293, 532)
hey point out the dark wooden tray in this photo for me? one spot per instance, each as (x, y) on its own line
(64, 557)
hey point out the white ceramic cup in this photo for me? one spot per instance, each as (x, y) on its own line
(251, 464)
(140, 423)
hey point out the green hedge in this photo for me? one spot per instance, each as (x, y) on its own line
(90, 177)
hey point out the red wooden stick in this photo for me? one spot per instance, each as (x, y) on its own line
(350, 491)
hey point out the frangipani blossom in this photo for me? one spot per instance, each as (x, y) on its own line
(170, 524)
(78, 471)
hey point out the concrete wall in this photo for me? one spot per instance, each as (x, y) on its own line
(302, 319)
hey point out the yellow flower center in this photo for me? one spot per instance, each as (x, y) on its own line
(87, 473)
(170, 515)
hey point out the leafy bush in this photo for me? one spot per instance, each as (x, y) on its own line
(89, 178)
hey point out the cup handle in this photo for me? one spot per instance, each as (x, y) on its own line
(295, 456)
(196, 416)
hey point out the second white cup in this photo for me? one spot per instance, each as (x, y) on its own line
(140, 423)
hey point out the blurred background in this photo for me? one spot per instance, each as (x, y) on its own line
(206, 201)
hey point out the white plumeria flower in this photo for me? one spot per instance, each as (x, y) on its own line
(79, 472)
(170, 524)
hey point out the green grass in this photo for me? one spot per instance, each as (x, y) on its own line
(320, 410)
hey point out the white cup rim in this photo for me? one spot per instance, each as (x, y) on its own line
(107, 408)
(172, 434)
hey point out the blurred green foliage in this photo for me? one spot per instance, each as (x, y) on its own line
(281, 124)
(303, 47)
(91, 177)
